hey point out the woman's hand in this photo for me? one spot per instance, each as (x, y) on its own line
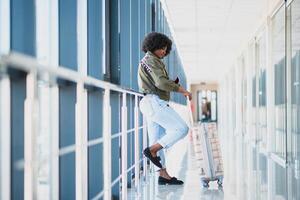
(185, 93)
(188, 94)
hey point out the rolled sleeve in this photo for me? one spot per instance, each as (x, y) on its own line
(167, 85)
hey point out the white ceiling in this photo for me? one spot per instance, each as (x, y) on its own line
(210, 33)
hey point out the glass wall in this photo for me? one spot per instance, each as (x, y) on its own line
(271, 103)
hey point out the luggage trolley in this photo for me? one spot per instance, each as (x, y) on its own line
(208, 153)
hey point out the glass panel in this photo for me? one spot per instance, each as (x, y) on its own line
(135, 45)
(68, 34)
(233, 98)
(207, 105)
(114, 41)
(252, 92)
(208, 95)
(262, 177)
(125, 24)
(244, 96)
(295, 93)
(278, 45)
(279, 182)
(262, 111)
(67, 96)
(262, 165)
(214, 106)
(95, 35)
(253, 109)
(95, 152)
(18, 96)
(278, 62)
(22, 40)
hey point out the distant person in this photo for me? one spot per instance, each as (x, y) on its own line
(165, 126)
(206, 110)
(208, 105)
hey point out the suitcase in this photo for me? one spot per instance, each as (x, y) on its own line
(208, 153)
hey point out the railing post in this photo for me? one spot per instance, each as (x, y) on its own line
(136, 144)
(124, 147)
(81, 158)
(82, 105)
(107, 144)
(30, 128)
(54, 142)
(145, 165)
(5, 137)
(5, 113)
(84, 149)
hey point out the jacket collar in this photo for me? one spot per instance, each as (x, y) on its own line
(149, 53)
(152, 55)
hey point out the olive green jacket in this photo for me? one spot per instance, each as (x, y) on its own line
(153, 77)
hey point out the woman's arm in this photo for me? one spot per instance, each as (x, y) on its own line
(161, 80)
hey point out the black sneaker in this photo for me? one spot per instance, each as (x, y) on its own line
(172, 181)
(154, 160)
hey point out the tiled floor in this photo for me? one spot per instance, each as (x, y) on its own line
(180, 163)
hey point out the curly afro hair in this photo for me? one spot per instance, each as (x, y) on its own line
(154, 41)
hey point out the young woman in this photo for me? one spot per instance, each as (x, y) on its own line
(165, 126)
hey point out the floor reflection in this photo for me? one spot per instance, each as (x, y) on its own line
(169, 192)
(212, 194)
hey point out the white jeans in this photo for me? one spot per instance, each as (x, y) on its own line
(165, 126)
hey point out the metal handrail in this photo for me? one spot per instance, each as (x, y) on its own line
(191, 118)
(29, 64)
